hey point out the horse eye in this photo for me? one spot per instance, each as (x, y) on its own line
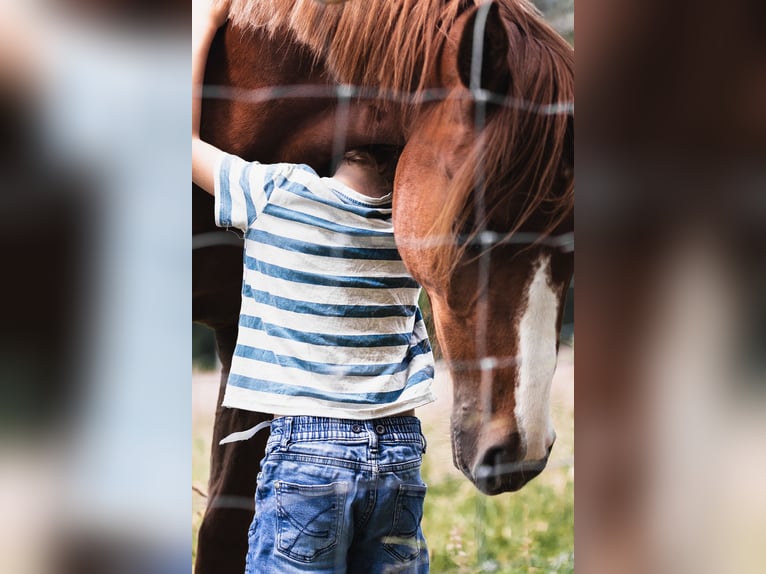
(471, 242)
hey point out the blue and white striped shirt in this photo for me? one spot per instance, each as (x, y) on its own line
(329, 323)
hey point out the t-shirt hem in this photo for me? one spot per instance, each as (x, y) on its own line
(357, 413)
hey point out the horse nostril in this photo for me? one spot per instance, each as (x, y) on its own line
(514, 446)
(492, 457)
(502, 467)
(506, 452)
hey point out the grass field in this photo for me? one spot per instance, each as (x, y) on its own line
(530, 531)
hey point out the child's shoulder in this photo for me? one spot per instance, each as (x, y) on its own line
(300, 170)
(295, 173)
(283, 169)
(303, 183)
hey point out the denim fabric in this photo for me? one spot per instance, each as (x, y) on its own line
(340, 496)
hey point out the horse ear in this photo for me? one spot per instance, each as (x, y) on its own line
(490, 56)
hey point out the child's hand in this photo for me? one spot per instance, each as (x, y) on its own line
(210, 12)
(219, 11)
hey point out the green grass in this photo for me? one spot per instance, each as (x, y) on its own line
(528, 531)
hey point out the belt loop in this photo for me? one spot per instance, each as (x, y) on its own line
(372, 435)
(286, 432)
(424, 442)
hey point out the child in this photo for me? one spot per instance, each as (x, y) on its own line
(331, 341)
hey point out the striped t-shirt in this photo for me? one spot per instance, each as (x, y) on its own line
(329, 323)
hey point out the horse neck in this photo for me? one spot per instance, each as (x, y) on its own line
(246, 65)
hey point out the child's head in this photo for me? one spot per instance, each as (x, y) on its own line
(371, 168)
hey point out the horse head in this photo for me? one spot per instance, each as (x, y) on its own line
(483, 208)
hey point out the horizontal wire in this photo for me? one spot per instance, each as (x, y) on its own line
(346, 91)
(563, 241)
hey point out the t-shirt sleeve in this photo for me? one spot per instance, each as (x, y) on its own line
(240, 191)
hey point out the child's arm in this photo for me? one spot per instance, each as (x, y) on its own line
(207, 17)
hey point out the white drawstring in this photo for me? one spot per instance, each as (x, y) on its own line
(245, 434)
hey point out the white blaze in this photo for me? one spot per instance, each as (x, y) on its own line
(537, 352)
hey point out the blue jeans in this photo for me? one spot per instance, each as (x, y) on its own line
(340, 496)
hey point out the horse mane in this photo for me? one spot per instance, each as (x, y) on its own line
(521, 166)
(388, 44)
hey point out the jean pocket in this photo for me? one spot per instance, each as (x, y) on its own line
(309, 518)
(403, 541)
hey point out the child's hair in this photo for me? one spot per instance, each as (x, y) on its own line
(381, 157)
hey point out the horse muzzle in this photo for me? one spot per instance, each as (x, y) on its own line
(502, 466)
(495, 475)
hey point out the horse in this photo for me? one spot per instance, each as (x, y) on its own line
(480, 97)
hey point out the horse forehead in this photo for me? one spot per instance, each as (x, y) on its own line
(446, 128)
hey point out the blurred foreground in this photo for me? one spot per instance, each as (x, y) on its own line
(671, 287)
(94, 344)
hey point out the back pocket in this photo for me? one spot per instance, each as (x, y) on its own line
(403, 541)
(309, 518)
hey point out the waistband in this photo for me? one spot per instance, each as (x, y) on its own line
(397, 428)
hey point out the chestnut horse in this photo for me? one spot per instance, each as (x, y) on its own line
(481, 98)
